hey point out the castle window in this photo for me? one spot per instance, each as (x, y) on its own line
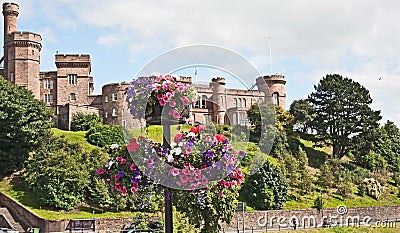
(234, 102)
(222, 101)
(260, 100)
(275, 98)
(106, 99)
(48, 98)
(106, 114)
(240, 103)
(33, 52)
(244, 103)
(72, 97)
(114, 96)
(114, 112)
(72, 79)
(12, 77)
(203, 101)
(234, 119)
(48, 84)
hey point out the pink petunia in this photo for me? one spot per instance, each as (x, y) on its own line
(132, 167)
(172, 104)
(185, 100)
(175, 171)
(184, 179)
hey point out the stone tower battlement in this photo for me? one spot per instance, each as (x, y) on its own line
(273, 87)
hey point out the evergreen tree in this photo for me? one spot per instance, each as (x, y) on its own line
(342, 108)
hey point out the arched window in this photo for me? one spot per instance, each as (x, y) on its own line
(260, 100)
(234, 120)
(240, 103)
(222, 101)
(235, 102)
(275, 98)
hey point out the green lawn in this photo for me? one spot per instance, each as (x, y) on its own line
(77, 137)
(316, 155)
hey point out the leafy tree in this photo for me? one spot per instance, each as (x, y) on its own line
(303, 113)
(262, 117)
(105, 135)
(376, 148)
(24, 122)
(83, 122)
(342, 108)
(266, 189)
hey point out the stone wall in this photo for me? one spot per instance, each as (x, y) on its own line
(28, 219)
(275, 219)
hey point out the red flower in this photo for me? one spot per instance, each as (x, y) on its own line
(220, 137)
(133, 145)
(195, 129)
(178, 137)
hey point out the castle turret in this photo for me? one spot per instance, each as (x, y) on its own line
(219, 100)
(10, 12)
(273, 87)
(21, 52)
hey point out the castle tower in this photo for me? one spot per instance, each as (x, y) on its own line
(219, 100)
(74, 83)
(273, 87)
(21, 52)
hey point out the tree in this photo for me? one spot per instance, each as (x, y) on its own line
(377, 147)
(24, 122)
(342, 108)
(303, 113)
(83, 122)
(265, 189)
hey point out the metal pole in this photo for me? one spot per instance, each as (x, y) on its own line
(167, 193)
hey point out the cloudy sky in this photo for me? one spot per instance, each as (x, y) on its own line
(308, 38)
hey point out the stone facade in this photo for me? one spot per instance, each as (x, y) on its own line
(69, 89)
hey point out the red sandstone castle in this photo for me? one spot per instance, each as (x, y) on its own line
(69, 89)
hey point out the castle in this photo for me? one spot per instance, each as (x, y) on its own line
(69, 89)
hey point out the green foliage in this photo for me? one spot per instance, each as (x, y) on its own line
(58, 173)
(303, 113)
(182, 223)
(342, 109)
(266, 189)
(105, 135)
(83, 122)
(207, 212)
(378, 148)
(24, 122)
(318, 203)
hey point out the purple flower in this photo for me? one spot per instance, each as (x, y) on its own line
(242, 153)
(121, 174)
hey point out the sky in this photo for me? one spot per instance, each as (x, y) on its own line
(307, 39)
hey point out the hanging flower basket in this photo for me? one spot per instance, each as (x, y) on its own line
(195, 160)
(159, 99)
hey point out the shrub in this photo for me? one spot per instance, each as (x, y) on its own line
(105, 135)
(83, 122)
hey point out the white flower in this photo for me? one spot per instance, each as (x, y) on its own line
(191, 134)
(173, 144)
(170, 158)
